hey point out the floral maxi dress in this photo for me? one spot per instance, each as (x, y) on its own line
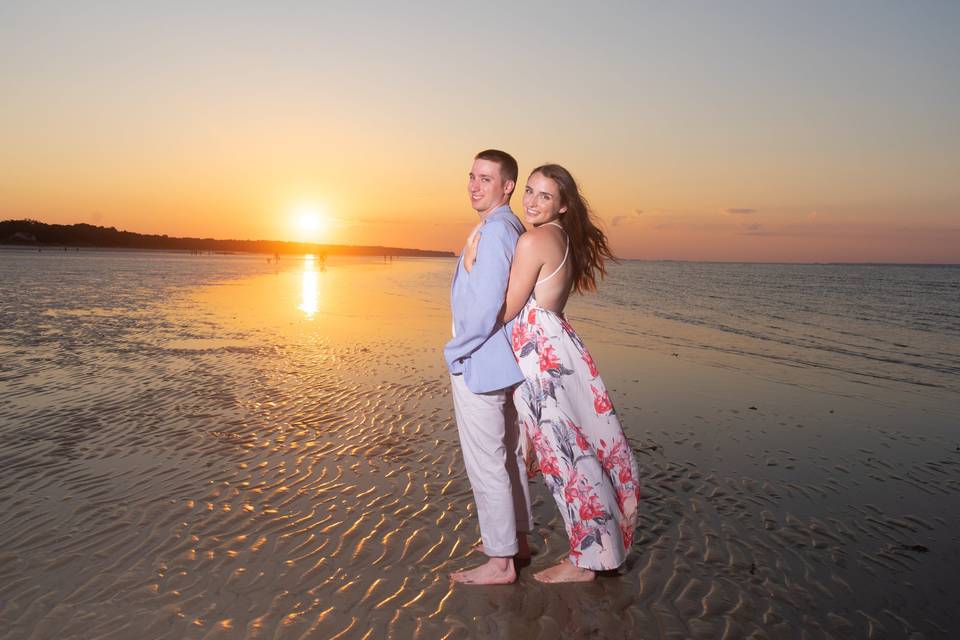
(568, 420)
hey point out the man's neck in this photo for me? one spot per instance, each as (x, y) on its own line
(485, 214)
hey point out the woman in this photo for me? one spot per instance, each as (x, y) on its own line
(565, 412)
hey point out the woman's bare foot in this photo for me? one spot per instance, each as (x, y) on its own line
(565, 571)
(494, 571)
(522, 554)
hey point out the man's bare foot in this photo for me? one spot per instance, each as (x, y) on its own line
(494, 571)
(523, 553)
(565, 571)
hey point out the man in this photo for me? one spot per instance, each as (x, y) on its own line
(483, 372)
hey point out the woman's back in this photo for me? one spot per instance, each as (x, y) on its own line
(552, 246)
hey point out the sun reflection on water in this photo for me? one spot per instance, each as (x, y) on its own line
(308, 287)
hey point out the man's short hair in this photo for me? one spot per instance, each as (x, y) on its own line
(508, 165)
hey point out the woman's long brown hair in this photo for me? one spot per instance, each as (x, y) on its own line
(588, 244)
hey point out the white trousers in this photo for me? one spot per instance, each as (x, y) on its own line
(490, 440)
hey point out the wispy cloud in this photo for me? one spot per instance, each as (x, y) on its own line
(626, 219)
(741, 211)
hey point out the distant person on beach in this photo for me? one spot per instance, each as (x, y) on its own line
(566, 416)
(483, 373)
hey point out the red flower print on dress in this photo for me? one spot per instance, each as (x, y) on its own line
(571, 492)
(627, 499)
(549, 465)
(582, 443)
(615, 457)
(626, 475)
(520, 336)
(601, 401)
(577, 533)
(627, 531)
(591, 508)
(590, 365)
(549, 361)
(532, 316)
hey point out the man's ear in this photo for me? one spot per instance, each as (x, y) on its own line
(509, 186)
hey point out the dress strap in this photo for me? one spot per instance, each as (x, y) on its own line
(566, 252)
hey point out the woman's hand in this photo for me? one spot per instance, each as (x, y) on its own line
(470, 251)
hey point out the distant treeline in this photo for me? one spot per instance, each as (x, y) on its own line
(32, 232)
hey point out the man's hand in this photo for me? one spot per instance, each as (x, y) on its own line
(470, 251)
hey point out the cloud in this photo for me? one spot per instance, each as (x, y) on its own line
(812, 215)
(754, 229)
(741, 211)
(626, 219)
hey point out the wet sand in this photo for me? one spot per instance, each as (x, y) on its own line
(274, 457)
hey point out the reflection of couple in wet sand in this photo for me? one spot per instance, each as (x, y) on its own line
(524, 385)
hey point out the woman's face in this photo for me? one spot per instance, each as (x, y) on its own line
(541, 200)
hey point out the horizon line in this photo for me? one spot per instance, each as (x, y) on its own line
(453, 253)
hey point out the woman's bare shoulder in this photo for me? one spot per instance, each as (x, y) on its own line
(545, 233)
(543, 237)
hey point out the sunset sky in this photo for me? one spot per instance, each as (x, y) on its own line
(767, 131)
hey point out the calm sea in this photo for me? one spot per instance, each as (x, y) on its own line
(879, 326)
(876, 325)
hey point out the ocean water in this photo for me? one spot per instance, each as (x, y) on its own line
(884, 326)
(875, 325)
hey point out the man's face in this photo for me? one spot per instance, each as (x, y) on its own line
(486, 186)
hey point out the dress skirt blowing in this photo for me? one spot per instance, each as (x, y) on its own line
(567, 420)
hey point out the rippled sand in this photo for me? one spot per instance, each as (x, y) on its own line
(275, 457)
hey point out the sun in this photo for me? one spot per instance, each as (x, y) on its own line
(310, 222)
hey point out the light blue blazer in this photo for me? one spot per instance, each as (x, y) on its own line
(481, 348)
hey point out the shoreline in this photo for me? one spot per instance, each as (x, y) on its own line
(452, 255)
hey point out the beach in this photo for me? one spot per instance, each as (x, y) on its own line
(230, 447)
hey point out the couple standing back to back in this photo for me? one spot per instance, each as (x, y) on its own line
(525, 384)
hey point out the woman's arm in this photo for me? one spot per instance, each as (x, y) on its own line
(523, 276)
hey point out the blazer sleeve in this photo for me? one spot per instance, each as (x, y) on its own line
(485, 290)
